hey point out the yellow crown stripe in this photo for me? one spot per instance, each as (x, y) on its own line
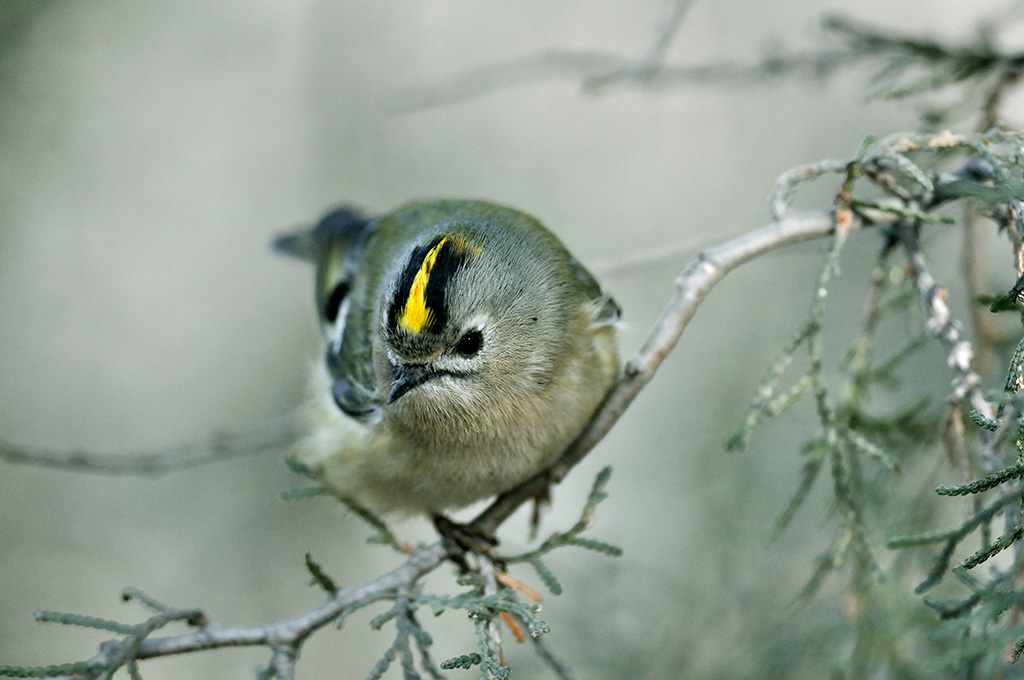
(415, 314)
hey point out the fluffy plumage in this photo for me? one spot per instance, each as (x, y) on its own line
(465, 349)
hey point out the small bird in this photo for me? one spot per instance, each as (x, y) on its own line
(465, 350)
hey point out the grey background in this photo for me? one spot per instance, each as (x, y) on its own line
(150, 151)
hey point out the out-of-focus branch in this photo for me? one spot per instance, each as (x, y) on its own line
(643, 261)
(651, 62)
(909, 65)
(596, 71)
(953, 63)
(275, 436)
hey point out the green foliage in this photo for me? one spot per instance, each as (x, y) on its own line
(993, 549)
(950, 539)
(465, 662)
(482, 607)
(570, 537)
(117, 654)
(986, 483)
(862, 447)
(320, 577)
(409, 635)
(976, 73)
(977, 632)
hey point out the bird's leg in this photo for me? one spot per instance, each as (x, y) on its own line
(540, 501)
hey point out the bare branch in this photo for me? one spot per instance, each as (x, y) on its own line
(966, 383)
(906, 65)
(667, 32)
(286, 637)
(643, 261)
(276, 435)
(493, 632)
(651, 62)
(596, 70)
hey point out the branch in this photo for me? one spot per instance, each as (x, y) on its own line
(900, 57)
(651, 62)
(284, 638)
(596, 70)
(941, 324)
(220, 446)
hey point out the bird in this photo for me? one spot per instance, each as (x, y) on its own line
(465, 349)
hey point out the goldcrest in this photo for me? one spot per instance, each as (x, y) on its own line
(465, 350)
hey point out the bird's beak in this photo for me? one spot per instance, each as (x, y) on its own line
(408, 376)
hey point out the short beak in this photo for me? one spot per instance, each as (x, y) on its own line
(408, 376)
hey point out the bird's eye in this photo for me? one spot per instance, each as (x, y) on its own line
(470, 343)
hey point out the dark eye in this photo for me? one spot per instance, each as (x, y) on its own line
(470, 343)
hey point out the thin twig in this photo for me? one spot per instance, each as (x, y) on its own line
(596, 71)
(595, 67)
(561, 669)
(287, 636)
(276, 435)
(490, 588)
(644, 261)
(966, 383)
(648, 65)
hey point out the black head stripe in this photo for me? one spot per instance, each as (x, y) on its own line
(419, 304)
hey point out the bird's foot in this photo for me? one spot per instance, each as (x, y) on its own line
(461, 539)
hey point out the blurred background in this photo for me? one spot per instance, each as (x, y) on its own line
(149, 152)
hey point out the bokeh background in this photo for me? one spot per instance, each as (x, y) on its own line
(150, 151)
